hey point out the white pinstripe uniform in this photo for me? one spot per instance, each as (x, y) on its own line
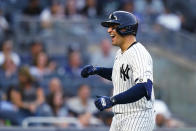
(131, 67)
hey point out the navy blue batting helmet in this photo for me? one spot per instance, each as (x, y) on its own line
(127, 22)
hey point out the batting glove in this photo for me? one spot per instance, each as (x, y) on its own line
(103, 102)
(88, 70)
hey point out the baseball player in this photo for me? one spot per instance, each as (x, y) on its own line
(132, 77)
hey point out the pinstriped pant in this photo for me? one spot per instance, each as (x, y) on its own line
(137, 121)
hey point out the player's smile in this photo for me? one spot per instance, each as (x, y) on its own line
(113, 37)
(113, 33)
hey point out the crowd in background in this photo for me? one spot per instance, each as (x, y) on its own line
(36, 88)
(36, 84)
(172, 14)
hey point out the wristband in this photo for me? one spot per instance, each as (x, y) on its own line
(113, 100)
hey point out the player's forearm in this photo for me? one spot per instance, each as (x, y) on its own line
(134, 94)
(104, 72)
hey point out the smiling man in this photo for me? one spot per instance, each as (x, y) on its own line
(132, 76)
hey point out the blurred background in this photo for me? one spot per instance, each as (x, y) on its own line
(45, 43)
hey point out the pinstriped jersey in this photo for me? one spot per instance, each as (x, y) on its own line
(131, 67)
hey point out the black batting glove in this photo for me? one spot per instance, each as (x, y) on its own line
(88, 70)
(104, 102)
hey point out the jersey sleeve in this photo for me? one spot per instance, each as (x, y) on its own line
(142, 65)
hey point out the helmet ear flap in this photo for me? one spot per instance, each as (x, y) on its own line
(121, 31)
(127, 30)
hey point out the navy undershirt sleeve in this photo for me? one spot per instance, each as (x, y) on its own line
(135, 93)
(104, 72)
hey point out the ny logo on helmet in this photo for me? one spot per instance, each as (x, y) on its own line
(113, 17)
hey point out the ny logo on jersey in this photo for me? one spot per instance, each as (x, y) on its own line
(124, 72)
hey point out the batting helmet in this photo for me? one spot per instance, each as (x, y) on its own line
(127, 22)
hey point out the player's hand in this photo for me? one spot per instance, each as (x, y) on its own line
(88, 70)
(103, 102)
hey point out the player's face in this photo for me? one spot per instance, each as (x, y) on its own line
(117, 40)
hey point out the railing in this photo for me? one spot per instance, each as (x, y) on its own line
(85, 129)
(49, 120)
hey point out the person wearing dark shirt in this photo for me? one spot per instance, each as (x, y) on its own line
(33, 8)
(28, 96)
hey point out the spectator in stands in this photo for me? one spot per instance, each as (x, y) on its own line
(33, 8)
(9, 111)
(4, 25)
(84, 120)
(29, 19)
(58, 106)
(88, 120)
(8, 116)
(57, 103)
(128, 5)
(163, 116)
(55, 85)
(8, 52)
(80, 4)
(186, 11)
(51, 15)
(90, 9)
(83, 101)
(169, 20)
(28, 96)
(106, 116)
(73, 68)
(41, 67)
(8, 74)
(149, 7)
(105, 56)
(36, 48)
(71, 11)
(108, 6)
(86, 108)
(162, 113)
